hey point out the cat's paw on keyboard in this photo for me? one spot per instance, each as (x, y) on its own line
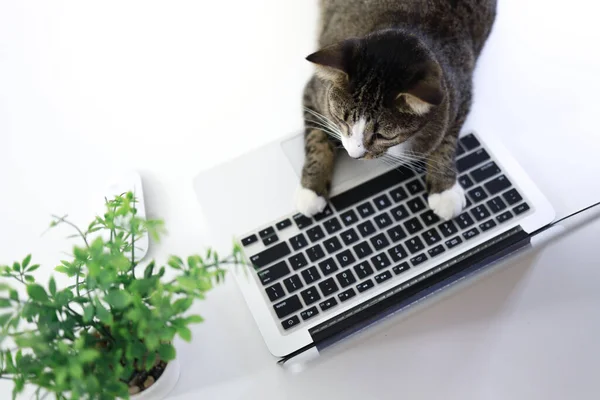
(308, 202)
(449, 203)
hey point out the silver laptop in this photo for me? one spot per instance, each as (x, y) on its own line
(375, 250)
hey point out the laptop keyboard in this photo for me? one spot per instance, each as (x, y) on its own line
(372, 234)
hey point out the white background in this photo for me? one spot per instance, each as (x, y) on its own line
(172, 88)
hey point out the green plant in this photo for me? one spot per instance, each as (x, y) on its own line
(88, 339)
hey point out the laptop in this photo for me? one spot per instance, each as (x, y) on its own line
(375, 250)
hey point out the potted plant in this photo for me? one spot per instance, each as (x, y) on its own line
(110, 333)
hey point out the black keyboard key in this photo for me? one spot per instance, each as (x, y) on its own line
(382, 202)
(398, 269)
(487, 225)
(464, 220)
(332, 245)
(298, 242)
(383, 220)
(512, 197)
(293, 283)
(374, 186)
(327, 304)
(366, 210)
(266, 232)
(349, 217)
(465, 182)
(286, 223)
(477, 195)
(520, 209)
(290, 322)
(396, 233)
(413, 226)
(480, 212)
(471, 233)
(415, 187)
(459, 150)
(436, 251)
(287, 306)
(310, 295)
(415, 205)
(273, 273)
(270, 255)
(345, 258)
(399, 213)
(275, 292)
(497, 185)
(332, 225)
(380, 242)
(505, 216)
(349, 237)
(269, 240)
(469, 142)
(418, 260)
(346, 278)
(471, 160)
(315, 253)
(399, 194)
(455, 241)
(448, 228)
(485, 172)
(363, 250)
(366, 228)
(327, 212)
(328, 287)
(384, 276)
(308, 314)
(347, 295)
(247, 241)
(310, 275)
(430, 218)
(496, 205)
(363, 270)
(328, 266)
(298, 261)
(432, 237)
(315, 234)
(414, 245)
(364, 286)
(397, 253)
(302, 221)
(381, 261)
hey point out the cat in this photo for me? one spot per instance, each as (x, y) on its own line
(393, 80)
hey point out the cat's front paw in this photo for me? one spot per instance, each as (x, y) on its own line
(308, 202)
(449, 203)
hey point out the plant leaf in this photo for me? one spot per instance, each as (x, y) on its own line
(37, 292)
(52, 286)
(149, 269)
(103, 314)
(118, 299)
(166, 352)
(88, 355)
(16, 267)
(194, 319)
(187, 282)
(88, 313)
(13, 295)
(29, 278)
(4, 319)
(32, 268)
(4, 303)
(185, 333)
(26, 261)
(62, 269)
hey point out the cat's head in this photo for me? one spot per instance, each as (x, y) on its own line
(384, 88)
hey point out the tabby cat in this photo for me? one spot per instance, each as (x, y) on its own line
(393, 79)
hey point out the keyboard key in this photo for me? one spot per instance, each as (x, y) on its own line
(415, 187)
(455, 241)
(286, 223)
(471, 233)
(328, 266)
(384, 276)
(485, 172)
(298, 242)
(247, 241)
(366, 228)
(349, 237)
(471, 160)
(380, 242)
(464, 220)
(310, 275)
(505, 216)
(349, 217)
(308, 314)
(415, 205)
(396, 233)
(520, 209)
(459, 150)
(487, 225)
(275, 292)
(448, 228)
(480, 212)
(293, 283)
(270, 255)
(290, 322)
(397, 253)
(347, 295)
(287, 306)
(381, 261)
(436, 251)
(327, 304)
(269, 240)
(332, 245)
(399, 213)
(315, 253)
(418, 260)
(346, 278)
(302, 221)
(496, 204)
(345, 258)
(383, 220)
(414, 245)
(413, 225)
(465, 182)
(273, 273)
(512, 197)
(315, 234)
(363, 250)
(399, 194)
(328, 287)
(469, 142)
(430, 218)
(363, 270)
(382, 202)
(310, 295)
(327, 212)
(364, 286)
(477, 195)
(398, 269)
(497, 185)
(366, 210)
(298, 261)
(332, 225)
(432, 237)
(266, 232)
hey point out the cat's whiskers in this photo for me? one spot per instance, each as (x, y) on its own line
(414, 158)
(415, 164)
(323, 118)
(324, 128)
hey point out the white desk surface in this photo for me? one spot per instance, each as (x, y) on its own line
(172, 88)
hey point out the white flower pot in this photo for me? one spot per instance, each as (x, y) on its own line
(163, 386)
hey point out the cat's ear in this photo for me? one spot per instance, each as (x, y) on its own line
(332, 61)
(425, 93)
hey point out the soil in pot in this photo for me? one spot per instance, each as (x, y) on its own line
(143, 380)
